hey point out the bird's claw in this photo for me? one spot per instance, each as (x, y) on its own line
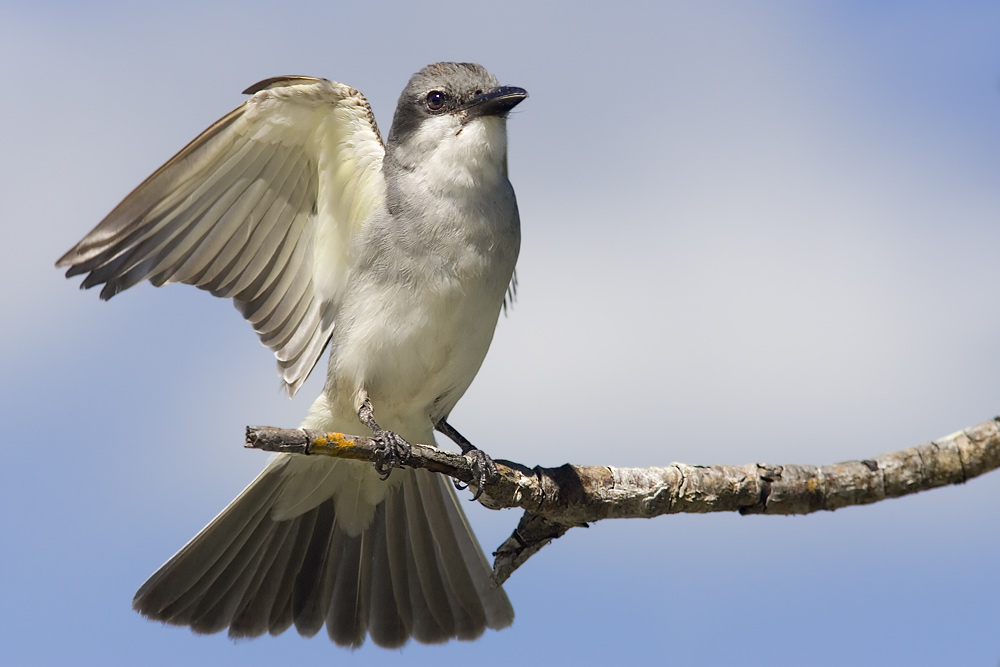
(484, 469)
(391, 451)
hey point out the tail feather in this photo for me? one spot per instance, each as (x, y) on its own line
(390, 618)
(415, 570)
(437, 623)
(253, 618)
(458, 586)
(314, 581)
(221, 600)
(497, 608)
(282, 613)
(172, 592)
(347, 612)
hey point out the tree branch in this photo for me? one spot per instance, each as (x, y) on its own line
(557, 499)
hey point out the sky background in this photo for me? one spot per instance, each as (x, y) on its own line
(751, 232)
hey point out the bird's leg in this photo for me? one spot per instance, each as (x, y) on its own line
(482, 464)
(392, 449)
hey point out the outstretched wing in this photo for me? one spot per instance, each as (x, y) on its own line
(261, 207)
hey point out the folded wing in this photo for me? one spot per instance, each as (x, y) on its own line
(260, 208)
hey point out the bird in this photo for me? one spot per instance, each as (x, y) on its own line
(398, 256)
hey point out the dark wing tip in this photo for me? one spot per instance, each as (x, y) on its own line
(275, 81)
(70, 258)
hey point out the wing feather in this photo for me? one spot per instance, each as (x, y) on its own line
(260, 208)
(243, 247)
(234, 224)
(273, 255)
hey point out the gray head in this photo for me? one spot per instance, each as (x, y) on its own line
(447, 97)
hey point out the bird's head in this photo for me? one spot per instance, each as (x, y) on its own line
(449, 129)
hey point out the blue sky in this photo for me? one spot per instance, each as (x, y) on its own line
(751, 232)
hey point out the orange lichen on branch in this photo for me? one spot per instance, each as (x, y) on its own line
(331, 444)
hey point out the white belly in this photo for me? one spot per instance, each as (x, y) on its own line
(414, 355)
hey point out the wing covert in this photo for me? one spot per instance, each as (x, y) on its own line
(261, 208)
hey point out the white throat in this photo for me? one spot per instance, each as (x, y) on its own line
(455, 157)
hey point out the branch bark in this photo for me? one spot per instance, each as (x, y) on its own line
(557, 499)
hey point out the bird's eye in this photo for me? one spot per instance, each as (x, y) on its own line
(436, 100)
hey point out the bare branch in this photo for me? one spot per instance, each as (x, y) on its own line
(557, 499)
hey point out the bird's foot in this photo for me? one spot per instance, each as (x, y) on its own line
(483, 466)
(391, 450)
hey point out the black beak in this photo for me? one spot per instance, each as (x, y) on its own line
(495, 102)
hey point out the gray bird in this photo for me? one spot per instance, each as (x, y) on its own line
(399, 257)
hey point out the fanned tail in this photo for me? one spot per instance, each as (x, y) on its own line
(415, 570)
